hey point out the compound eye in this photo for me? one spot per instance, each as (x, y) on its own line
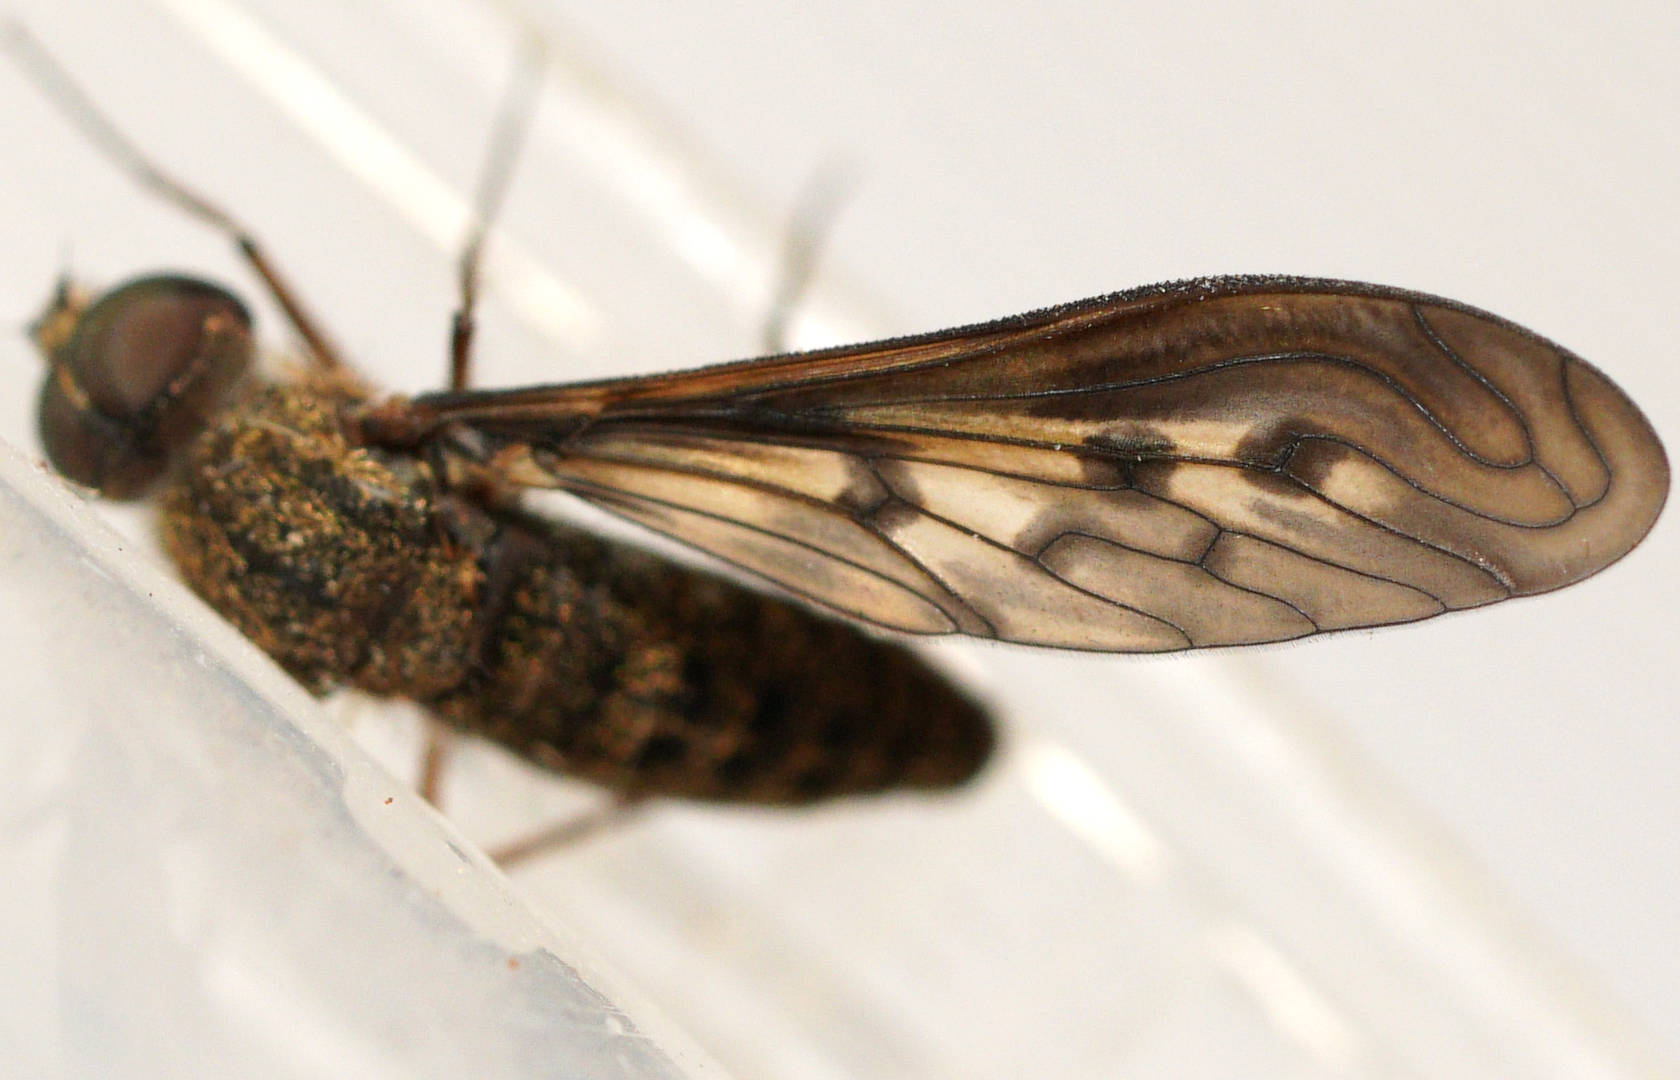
(140, 373)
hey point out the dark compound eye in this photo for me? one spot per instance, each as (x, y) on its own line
(135, 376)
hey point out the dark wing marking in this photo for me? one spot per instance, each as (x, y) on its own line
(1204, 463)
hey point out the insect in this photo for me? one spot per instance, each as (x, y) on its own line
(1204, 463)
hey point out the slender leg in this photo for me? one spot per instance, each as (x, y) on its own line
(513, 123)
(439, 741)
(574, 830)
(74, 102)
(812, 220)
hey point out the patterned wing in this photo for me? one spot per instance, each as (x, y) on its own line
(1214, 462)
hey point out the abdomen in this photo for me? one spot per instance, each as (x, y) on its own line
(609, 664)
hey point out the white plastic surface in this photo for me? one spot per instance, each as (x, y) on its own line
(203, 878)
(1191, 867)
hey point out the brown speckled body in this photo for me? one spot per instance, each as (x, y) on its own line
(354, 567)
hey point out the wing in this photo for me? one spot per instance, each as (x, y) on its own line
(1213, 462)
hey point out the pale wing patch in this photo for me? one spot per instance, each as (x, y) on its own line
(817, 527)
(805, 570)
(1021, 601)
(823, 475)
(1354, 478)
(1278, 510)
(1208, 610)
(1028, 516)
(1063, 465)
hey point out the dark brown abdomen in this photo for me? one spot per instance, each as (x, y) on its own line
(612, 665)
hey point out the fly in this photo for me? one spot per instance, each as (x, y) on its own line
(1202, 463)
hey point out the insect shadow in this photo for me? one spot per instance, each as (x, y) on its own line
(1202, 463)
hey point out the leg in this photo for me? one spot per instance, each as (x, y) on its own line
(590, 823)
(512, 125)
(433, 758)
(63, 91)
(572, 831)
(813, 217)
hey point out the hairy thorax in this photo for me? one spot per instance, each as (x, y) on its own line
(330, 557)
